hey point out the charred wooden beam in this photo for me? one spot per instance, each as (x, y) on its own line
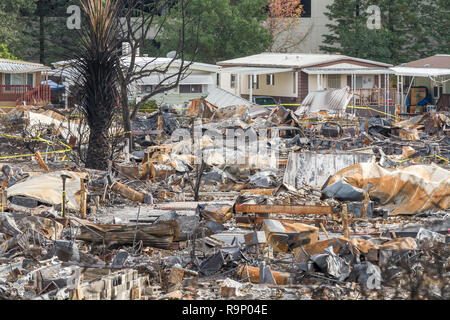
(292, 209)
(258, 220)
(129, 193)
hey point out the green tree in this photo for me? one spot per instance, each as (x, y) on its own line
(12, 24)
(35, 30)
(227, 29)
(51, 40)
(5, 54)
(436, 19)
(402, 36)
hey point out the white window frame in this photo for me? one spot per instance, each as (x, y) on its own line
(190, 88)
(233, 81)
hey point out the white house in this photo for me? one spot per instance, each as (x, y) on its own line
(198, 80)
(289, 78)
(432, 74)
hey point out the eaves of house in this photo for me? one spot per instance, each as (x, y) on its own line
(17, 66)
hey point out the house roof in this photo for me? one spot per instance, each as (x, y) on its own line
(151, 62)
(64, 68)
(254, 70)
(421, 72)
(293, 60)
(17, 66)
(439, 61)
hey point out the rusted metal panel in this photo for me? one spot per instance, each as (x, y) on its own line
(252, 273)
(405, 191)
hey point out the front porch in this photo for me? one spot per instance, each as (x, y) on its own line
(435, 81)
(20, 82)
(370, 87)
(19, 94)
(250, 82)
(13, 92)
(366, 101)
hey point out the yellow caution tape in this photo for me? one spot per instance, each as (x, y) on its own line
(351, 107)
(372, 109)
(432, 156)
(437, 156)
(329, 121)
(69, 149)
(283, 104)
(32, 154)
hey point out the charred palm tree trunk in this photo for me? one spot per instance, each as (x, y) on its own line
(97, 64)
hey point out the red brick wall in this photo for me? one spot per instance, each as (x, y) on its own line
(303, 86)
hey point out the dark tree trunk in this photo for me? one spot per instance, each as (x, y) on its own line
(126, 116)
(97, 63)
(99, 149)
(41, 39)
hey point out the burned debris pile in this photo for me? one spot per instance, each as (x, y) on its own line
(226, 203)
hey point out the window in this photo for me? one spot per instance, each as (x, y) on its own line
(18, 79)
(270, 79)
(146, 89)
(218, 80)
(334, 81)
(233, 81)
(30, 79)
(191, 88)
(255, 82)
(438, 90)
(364, 82)
(265, 101)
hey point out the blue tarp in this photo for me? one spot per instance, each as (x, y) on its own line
(53, 85)
(422, 103)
